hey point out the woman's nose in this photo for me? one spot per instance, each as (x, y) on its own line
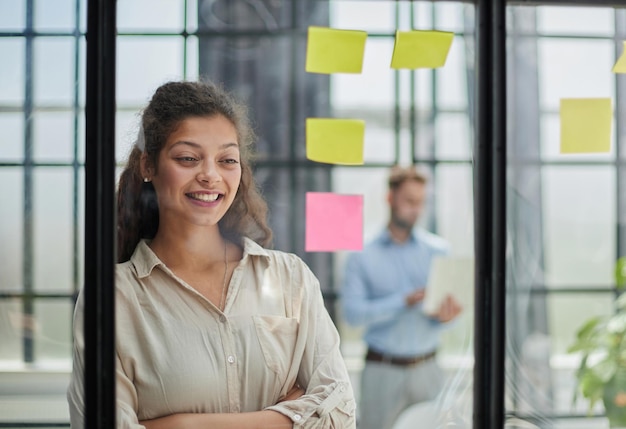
(209, 173)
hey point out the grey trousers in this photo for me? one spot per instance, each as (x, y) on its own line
(387, 390)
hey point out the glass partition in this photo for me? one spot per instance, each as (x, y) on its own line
(564, 211)
(563, 216)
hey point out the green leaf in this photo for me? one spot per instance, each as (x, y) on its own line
(591, 387)
(605, 369)
(617, 324)
(588, 336)
(620, 272)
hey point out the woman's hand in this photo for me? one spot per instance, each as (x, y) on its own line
(294, 393)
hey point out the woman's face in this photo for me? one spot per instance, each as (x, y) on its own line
(198, 173)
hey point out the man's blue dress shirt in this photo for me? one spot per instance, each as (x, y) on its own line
(375, 285)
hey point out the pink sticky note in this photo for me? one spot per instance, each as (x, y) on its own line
(333, 222)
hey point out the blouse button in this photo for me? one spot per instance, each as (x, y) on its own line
(231, 359)
(297, 417)
(222, 318)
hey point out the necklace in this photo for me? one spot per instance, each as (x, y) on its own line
(222, 303)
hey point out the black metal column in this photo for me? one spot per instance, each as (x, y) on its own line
(490, 214)
(100, 216)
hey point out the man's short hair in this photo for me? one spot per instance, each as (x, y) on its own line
(398, 175)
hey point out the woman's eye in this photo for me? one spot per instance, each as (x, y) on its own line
(230, 161)
(186, 159)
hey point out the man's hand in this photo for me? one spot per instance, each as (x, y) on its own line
(414, 297)
(449, 309)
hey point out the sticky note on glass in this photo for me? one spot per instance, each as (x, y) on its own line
(586, 125)
(330, 50)
(620, 65)
(421, 49)
(335, 141)
(333, 222)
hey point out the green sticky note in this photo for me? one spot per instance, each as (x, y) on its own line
(620, 65)
(421, 49)
(335, 141)
(586, 125)
(334, 51)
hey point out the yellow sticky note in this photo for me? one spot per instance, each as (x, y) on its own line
(586, 125)
(620, 65)
(334, 51)
(421, 49)
(335, 141)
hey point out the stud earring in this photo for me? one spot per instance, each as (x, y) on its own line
(146, 180)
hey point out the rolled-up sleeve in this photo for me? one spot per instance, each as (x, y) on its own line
(328, 402)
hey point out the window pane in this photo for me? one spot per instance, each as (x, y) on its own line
(141, 66)
(11, 323)
(192, 16)
(453, 137)
(370, 16)
(82, 71)
(574, 69)
(12, 15)
(12, 136)
(192, 58)
(126, 130)
(579, 216)
(11, 229)
(452, 78)
(373, 88)
(423, 90)
(379, 144)
(575, 20)
(449, 16)
(54, 71)
(145, 15)
(52, 330)
(53, 229)
(54, 136)
(57, 15)
(454, 203)
(372, 184)
(228, 15)
(12, 71)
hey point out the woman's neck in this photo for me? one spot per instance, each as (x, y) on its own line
(189, 249)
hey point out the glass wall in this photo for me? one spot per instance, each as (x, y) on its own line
(564, 211)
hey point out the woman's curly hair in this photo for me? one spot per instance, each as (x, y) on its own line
(137, 207)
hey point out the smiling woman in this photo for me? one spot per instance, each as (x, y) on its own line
(212, 328)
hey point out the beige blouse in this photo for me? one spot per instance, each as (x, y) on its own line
(177, 353)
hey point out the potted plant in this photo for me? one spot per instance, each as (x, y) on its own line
(602, 372)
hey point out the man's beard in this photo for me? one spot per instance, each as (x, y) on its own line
(401, 223)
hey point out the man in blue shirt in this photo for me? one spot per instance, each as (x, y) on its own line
(383, 289)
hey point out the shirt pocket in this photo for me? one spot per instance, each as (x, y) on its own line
(277, 338)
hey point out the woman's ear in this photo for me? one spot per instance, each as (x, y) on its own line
(146, 170)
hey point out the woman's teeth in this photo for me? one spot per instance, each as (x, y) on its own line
(205, 197)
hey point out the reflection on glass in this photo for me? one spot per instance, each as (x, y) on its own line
(563, 210)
